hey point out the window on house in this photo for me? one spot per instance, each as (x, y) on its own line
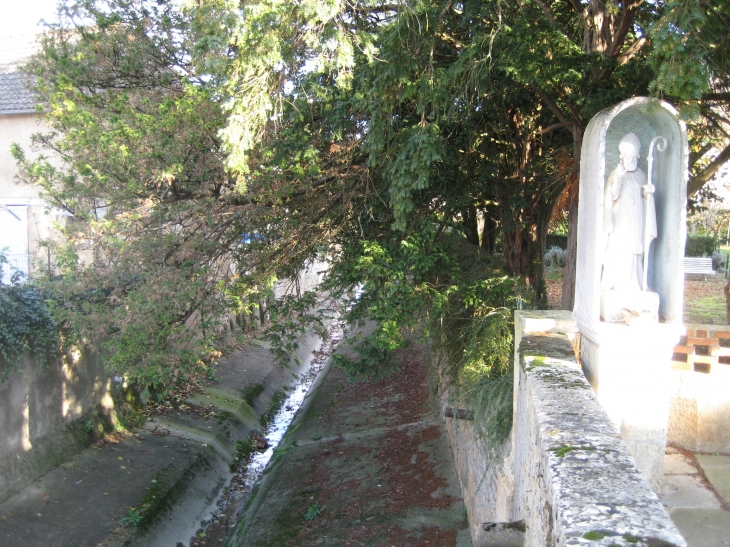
(14, 239)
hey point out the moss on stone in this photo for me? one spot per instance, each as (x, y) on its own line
(561, 451)
(250, 392)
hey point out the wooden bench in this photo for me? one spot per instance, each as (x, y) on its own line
(698, 266)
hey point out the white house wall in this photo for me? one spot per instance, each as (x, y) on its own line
(19, 199)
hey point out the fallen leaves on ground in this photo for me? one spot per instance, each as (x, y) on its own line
(704, 300)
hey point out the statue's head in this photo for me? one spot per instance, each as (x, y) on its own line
(629, 151)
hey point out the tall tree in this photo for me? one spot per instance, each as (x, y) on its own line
(209, 148)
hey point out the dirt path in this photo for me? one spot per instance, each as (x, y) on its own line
(370, 464)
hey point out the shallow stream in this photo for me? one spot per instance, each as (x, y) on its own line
(227, 508)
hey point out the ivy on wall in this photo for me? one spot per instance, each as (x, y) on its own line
(26, 326)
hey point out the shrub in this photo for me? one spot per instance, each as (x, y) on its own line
(700, 246)
(555, 258)
(26, 326)
(556, 240)
(718, 260)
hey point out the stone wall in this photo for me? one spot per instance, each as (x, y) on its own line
(566, 477)
(699, 418)
(486, 484)
(575, 482)
(47, 416)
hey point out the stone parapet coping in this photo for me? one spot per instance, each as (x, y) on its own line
(575, 482)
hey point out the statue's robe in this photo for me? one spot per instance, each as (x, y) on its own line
(628, 229)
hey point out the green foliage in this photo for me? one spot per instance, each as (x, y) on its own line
(291, 316)
(26, 327)
(700, 246)
(209, 149)
(474, 344)
(406, 282)
(250, 392)
(276, 401)
(561, 451)
(281, 451)
(556, 240)
(88, 425)
(689, 47)
(141, 171)
(243, 452)
(313, 511)
(479, 368)
(132, 518)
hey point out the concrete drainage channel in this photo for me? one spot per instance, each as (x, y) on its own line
(206, 499)
(179, 479)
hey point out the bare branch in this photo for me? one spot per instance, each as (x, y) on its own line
(708, 172)
(630, 51)
(558, 126)
(716, 96)
(550, 103)
(546, 11)
(695, 156)
(446, 37)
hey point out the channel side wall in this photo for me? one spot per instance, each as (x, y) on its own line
(40, 413)
(565, 477)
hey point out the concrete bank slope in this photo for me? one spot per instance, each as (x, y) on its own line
(366, 464)
(164, 483)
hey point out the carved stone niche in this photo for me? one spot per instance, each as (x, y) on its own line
(627, 363)
(646, 118)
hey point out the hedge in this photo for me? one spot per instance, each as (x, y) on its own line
(554, 240)
(700, 246)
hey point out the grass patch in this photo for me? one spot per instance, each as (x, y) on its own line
(280, 452)
(243, 452)
(276, 401)
(250, 392)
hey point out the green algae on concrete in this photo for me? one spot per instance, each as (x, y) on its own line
(224, 401)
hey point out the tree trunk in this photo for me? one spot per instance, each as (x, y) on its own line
(471, 224)
(568, 298)
(489, 233)
(524, 250)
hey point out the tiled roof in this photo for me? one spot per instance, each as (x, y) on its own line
(15, 91)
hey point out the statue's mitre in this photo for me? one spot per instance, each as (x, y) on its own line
(630, 144)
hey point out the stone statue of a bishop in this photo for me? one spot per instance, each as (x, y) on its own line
(629, 220)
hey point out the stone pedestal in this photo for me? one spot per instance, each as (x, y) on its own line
(630, 307)
(628, 368)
